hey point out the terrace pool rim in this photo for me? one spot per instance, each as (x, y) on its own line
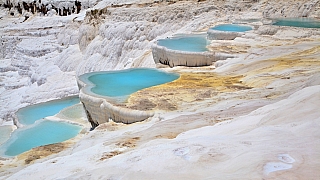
(100, 109)
(86, 85)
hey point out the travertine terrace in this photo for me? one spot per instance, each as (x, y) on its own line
(252, 114)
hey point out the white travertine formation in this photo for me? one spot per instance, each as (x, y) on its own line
(222, 35)
(124, 115)
(257, 128)
(99, 110)
(267, 30)
(173, 58)
(223, 56)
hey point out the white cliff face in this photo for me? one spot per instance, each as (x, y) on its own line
(128, 34)
(29, 51)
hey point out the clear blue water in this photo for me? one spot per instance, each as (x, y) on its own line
(41, 133)
(190, 43)
(126, 82)
(232, 28)
(298, 22)
(30, 114)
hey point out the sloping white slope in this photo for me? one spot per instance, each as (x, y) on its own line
(277, 138)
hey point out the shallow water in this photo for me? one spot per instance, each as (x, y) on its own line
(41, 133)
(126, 82)
(75, 112)
(298, 22)
(232, 28)
(5, 132)
(190, 43)
(30, 114)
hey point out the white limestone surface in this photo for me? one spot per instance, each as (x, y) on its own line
(237, 140)
(251, 146)
(222, 35)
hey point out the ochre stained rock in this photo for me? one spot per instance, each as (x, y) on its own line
(42, 151)
(189, 87)
(302, 63)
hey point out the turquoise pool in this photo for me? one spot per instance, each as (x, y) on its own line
(190, 43)
(232, 28)
(125, 82)
(298, 22)
(43, 132)
(30, 114)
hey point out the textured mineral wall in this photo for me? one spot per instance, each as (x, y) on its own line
(222, 35)
(173, 58)
(99, 110)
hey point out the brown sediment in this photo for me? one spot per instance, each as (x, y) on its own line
(110, 126)
(229, 48)
(127, 143)
(168, 135)
(189, 87)
(43, 151)
(46, 150)
(198, 86)
(108, 155)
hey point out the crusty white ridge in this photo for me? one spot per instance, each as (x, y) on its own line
(99, 110)
(173, 58)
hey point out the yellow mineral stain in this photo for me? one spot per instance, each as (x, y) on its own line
(231, 49)
(42, 151)
(198, 86)
(190, 87)
(302, 63)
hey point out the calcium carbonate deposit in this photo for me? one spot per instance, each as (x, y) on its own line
(246, 108)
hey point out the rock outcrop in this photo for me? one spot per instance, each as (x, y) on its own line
(173, 58)
(222, 35)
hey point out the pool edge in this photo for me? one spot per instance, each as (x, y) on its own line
(99, 109)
